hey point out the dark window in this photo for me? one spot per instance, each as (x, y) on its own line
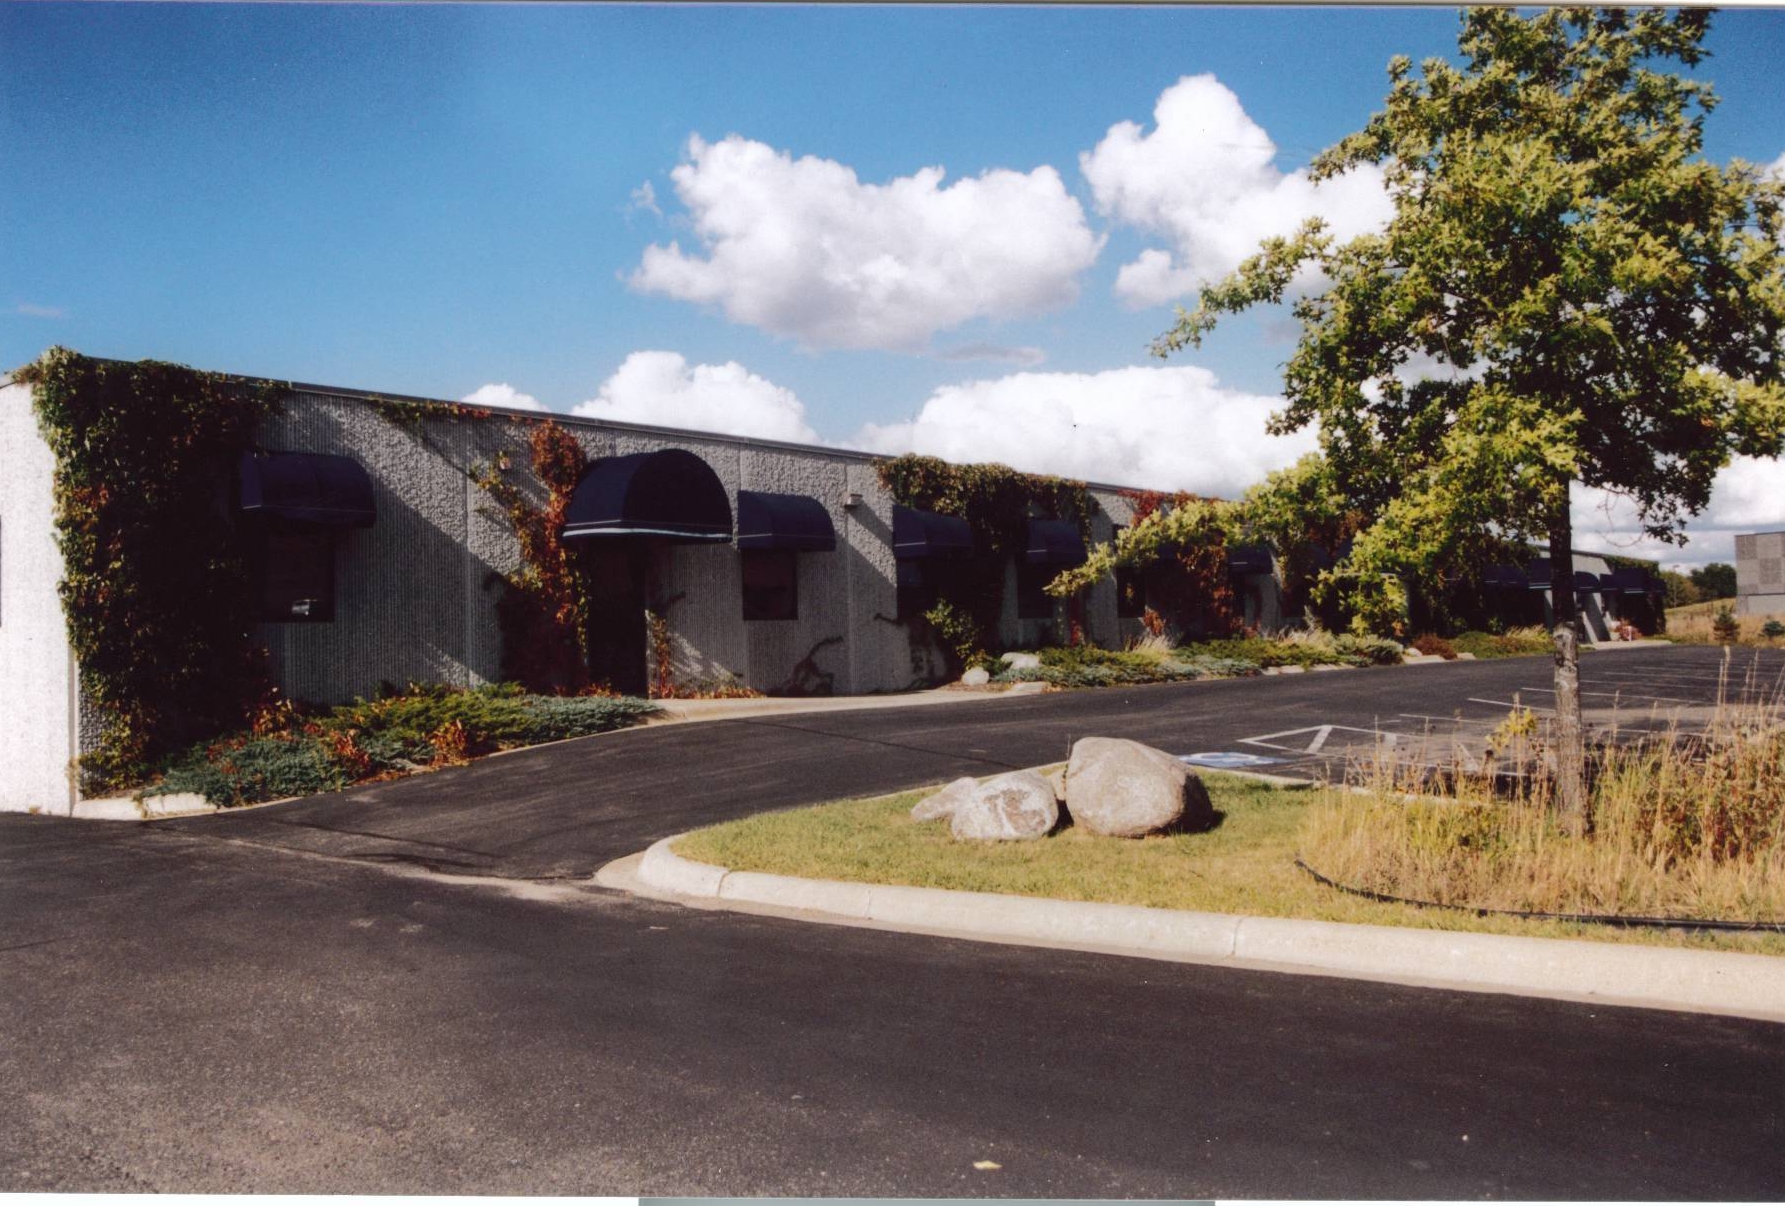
(298, 576)
(1131, 589)
(1032, 600)
(771, 584)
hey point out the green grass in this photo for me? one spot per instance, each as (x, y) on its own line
(1245, 865)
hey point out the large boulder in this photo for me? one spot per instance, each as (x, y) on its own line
(943, 803)
(1023, 661)
(979, 676)
(1120, 788)
(1017, 807)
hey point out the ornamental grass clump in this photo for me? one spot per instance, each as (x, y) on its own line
(1681, 824)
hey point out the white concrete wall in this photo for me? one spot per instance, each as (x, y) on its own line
(36, 669)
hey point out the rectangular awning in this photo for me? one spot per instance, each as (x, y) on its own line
(308, 488)
(1537, 574)
(1248, 558)
(922, 534)
(1505, 577)
(1632, 581)
(1053, 542)
(796, 522)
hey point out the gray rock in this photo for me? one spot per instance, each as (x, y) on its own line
(1017, 807)
(1023, 661)
(1120, 788)
(976, 677)
(944, 802)
(1057, 780)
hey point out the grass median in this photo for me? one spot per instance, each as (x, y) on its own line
(1246, 864)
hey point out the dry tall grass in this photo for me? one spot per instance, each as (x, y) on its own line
(1694, 626)
(1683, 824)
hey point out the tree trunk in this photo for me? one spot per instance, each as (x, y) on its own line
(1570, 745)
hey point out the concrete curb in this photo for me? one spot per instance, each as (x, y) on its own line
(149, 808)
(1741, 985)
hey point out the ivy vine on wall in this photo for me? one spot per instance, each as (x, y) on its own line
(155, 589)
(544, 609)
(997, 502)
(1181, 541)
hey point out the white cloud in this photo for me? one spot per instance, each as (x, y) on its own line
(643, 199)
(663, 389)
(501, 395)
(1776, 169)
(1204, 178)
(31, 310)
(1172, 428)
(803, 249)
(1747, 496)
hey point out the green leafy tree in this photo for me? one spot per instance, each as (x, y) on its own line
(1715, 581)
(1681, 590)
(1567, 292)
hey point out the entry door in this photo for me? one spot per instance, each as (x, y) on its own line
(615, 572)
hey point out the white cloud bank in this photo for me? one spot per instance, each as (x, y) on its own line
(501, 394)
(802, 248)
(663, 389)
(1204, 178)
(1747, 496)
(1173, 428)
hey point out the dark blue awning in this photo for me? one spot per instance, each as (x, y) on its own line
(1248, 558)
(307, 487)
(1505, 577)
(784, 521)
(670, 494)
(1537, 574)
(919, 534)
(1633, 581)
(1585, 583)
(1054, 542)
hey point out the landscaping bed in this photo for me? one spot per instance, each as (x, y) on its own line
(1162, 662)
(1246, 864)
(291, 752)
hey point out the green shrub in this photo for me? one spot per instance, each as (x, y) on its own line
(1772, 630)
(1724, 626)
(248, 770)
(1088, 666)
(1519, 642)
(1373, 650)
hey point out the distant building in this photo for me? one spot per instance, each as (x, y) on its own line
(1760, 574)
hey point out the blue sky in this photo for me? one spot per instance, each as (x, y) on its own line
(433, 200)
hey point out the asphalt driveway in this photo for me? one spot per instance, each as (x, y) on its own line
(562, 811)
(256, 1003)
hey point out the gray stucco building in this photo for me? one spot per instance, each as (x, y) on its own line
(801, 576)
(1760, 574)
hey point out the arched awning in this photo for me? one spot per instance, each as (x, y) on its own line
(308, 488)
(790, 522)
(1053, 542)
(922, 534)
(671, 494)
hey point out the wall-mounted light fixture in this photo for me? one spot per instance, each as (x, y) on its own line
(851, 500)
